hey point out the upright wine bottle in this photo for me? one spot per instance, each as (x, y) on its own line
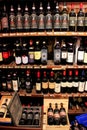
(15, 82)
(70, 54)
(56, 115)
(85, 21)
(69, 82)
(75, 82)
(85, 53)
(38, 82)
(9, 82)
(31, 52)
(22, 79)
(45, 83)
(51, 82)
(50, 115)
(36, 117)
(63, 116)
(3, 81)
(3, 108)
(72, 19)
(24, 54)
(63, 82)
(85, 87)
(80, 19)
(57, 88)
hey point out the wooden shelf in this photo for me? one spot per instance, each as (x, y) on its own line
(27, 34)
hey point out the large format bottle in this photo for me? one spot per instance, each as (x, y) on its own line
(12, 20)
(69, 82)
(50, 115)
(51, 82)
(64, 18)
(56, 115)
(41, 19)
(34, 25)
(31, 52)
(48, 19)
(38, 82)
(45, 83)
(4, 20)
(19, 19)
(26, 19)
(57, 53)
(70, 54)
(44, 53)
(63, 116)
(75, 82)
(80, 19)
(37, 53)
(56, 19)
(63, 82)
(63, 53)
(72, 19)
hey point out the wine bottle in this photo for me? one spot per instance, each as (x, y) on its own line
(56, 115)
(15, 82)
(31, 52)
(45, 83)
(30, 115)
(22, 79)
(63, 82)
(72, 19)
(1, 57)
(50, 115)
(24, 54)
(57, 88)
(69, 82)
(85, 88)
(3, 81)
(85, 53)
(51, 82)
(36, 120)
(75, 81)
(70, 54)
(80, 19)
(3, 108)
(38, 82)
(63, 116)
(56, 18)
(85, 21)
(9, 82)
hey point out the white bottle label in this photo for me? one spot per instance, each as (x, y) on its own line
(44, 85)
(63, 84)
(85, 86)
(15, 85)
(18, 60)
(75, 84)
(70, 57)
(24, 59)
(57, 87)
(63, 55)
(38, 86)
(80, 55)
(81, 86)
(69, 84)
(85, 57)
(51, 85)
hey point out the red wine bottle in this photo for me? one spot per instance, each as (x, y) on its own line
(51, 82)
(75, 82)
(38, 82)
(50, 115)
(56, 114)
(63, 82)
(69, 82)
(63, 116)
(45, 83)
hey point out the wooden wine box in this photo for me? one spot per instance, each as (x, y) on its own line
(6, 119)
(46, 106)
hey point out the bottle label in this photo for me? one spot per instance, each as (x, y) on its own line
(48, 21)
(41, 21)
(56, 115)
(50, 113)
(44, 85)
(33, 21)
(43, 55)
(19, 23)
(26, 23)
(80, 21)
(81, 86)
(72, 21)
(70, 57)
(18, 60)
(75, 84)
(4, 85)
(24, 59)
(62, 113)
(85, 57)
(31, 57)
(85, 86)
(57, 88)
(63, 84)
(51, 85)
(85, 22)
(56, 21)
(64, 21)
(63, 55)
(69, 84)
(5, 55)
(37, 55)
(12, 22)
(56, 55)
(1, 58)
(27, 83)
(38, 86)
(80, 55)
(9, 85)
(15, 85)
(4, 22)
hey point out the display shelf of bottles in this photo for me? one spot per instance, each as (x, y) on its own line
(77, 111)
(27, 34)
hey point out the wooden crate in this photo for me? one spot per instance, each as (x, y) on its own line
(4, 119)
(46, 106)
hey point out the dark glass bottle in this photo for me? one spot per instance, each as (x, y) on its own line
(1, 51)
(64, 18)
(3, 81)
(31, 52)
(57, 83)
(12, 20)
(44, 53)
(70, 81)
(3, 108)
(63, 116)
(19, 19)
(4, 20)
(45, 83)
(80, 19)
(56, 115)
(9, 82)
(56, 20)
(57, 53)
(72, 19)
(34, 25)
(63, 53)
(36, 120)
(63, 82)
(37, 53)
(85, 21)
(81, 82)
(80, 55)
(22, 79)
(26, 19)
(85, 52)
(28, 82)
(50, 115)
(48, 19)
(23, 118)
(41, 19)
(38, 82)
(85, 87)
(24, 54)
(75, 82)
(15, 82)
(18, 59)
(70, 54)
(51, 82)
(30, 117)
